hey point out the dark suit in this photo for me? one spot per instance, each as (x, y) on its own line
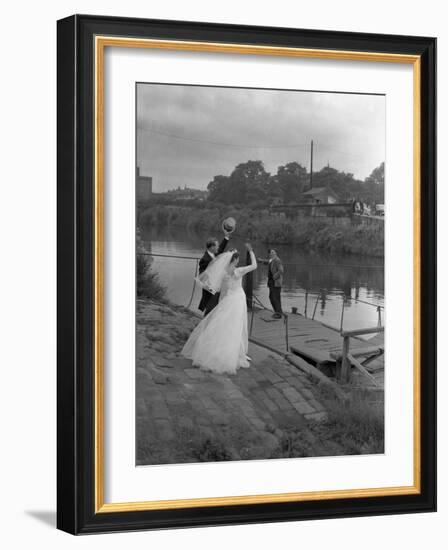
(275, 281)
(209, 300)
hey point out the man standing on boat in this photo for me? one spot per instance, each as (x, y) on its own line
(275, 282)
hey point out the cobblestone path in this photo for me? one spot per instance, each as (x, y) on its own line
(187, 415)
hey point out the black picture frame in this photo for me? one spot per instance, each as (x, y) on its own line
(76, 270)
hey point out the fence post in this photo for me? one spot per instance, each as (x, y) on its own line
(252, 318)
(306, 302)
(315, 305)
(345, 365)
(286, 332)
(342, 312)
(249, 283)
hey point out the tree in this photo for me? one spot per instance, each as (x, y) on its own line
(218, 189)
(291, 180)
(374, 185)
(250, 181)
(377, 176)
(274, 189)
(247, 183)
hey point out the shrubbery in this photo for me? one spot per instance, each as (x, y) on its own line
(308, 232)
(148, 284)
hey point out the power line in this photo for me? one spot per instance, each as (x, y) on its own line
(175, 136)
(247, 146)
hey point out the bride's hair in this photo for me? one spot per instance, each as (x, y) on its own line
(234, 257)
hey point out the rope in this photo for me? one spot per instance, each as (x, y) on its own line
(255, 297)
(285, 264)
(167, 256)
(368, 303)
(335, 265)
(194, 284)
(259, 302)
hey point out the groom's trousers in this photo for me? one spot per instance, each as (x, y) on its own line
(275, 298)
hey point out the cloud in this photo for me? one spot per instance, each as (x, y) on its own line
(188, 134)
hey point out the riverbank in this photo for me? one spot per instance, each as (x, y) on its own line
(319, 234)
(270, 410)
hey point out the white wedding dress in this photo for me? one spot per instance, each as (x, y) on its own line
(219, 342)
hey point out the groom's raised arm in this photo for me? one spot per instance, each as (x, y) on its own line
(223, 245)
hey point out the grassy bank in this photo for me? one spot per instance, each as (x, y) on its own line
(352, 429)
(148, 283)
(187, 415)
(323, 234)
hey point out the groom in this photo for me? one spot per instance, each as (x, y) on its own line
(209, 300)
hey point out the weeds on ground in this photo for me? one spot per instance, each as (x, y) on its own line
(148, 283)
(351, 428)
(188, 447)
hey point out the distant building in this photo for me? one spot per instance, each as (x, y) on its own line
(320, 195)
(187, 194)
(276, 201)
(379, 209)
(143, 186)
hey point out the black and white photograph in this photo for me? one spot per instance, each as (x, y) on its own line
(223, 292)
(260, 306)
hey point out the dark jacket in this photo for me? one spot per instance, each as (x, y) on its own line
(208, 300)
(275, 275)
(206, 258)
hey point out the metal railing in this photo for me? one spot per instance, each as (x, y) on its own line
(321, 295)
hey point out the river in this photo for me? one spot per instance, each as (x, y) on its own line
(306, 275)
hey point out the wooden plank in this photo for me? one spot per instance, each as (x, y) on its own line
(358, 352)
(374, 357)
(374, 369)
(277, 341)
(314, 354)
(377, 340)
(314, 341)
(362, 369)
(361, 331)
(268, 329)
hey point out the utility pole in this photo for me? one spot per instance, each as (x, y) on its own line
(311, 166)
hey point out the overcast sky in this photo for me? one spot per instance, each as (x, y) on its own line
(188, 134)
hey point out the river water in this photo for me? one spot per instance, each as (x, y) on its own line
(359, 278)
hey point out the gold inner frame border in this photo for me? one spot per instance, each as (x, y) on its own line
(100, 43)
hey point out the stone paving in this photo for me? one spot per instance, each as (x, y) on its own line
(187, 415)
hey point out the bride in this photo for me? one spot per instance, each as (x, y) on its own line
(219, 342)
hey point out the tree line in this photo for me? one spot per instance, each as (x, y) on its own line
(249, 183)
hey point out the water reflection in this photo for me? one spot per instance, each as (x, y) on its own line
(307, 275)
